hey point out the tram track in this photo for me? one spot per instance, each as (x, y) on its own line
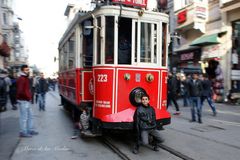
(108, 142)
(114, 148)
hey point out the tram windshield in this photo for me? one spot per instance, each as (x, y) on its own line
(124, 41)
(128, 41)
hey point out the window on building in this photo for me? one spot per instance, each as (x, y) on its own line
(236, 45)
(5, 19)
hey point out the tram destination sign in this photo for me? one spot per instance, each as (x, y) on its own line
(139, 3)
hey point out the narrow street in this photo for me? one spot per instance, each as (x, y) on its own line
(216, 139)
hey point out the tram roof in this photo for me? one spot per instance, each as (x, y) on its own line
(113, 10)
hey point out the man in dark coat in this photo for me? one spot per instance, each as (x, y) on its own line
(173, 91)
(195, 93)
(41, 89)
(207, 93)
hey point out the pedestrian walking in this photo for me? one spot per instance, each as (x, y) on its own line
(145, 125)
(207, 93)
(195, 93)
(3, 91)
(173, 91)
(13, 91)
(185, 91)
(33, 84)
(41, 89)
(24, 98)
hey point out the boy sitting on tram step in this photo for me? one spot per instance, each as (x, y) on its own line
(146, 125)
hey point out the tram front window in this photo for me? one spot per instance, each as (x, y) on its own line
(146, 42)
(124, 41)
(109, 45)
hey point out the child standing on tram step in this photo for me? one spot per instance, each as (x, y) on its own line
(84, 120)
(145, 125)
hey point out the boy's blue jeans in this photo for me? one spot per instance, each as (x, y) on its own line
(41, 101)
(196, 104)
(26, 116)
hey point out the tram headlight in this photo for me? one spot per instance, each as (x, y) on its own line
(135, 96)
(149, 77)
(127, 76)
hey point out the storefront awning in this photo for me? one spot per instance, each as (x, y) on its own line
(209, 39)
(206, 40)
(185, 47)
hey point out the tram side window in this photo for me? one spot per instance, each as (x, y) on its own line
(99, 41)
(124, 41)
(145, 42)
(71, 52)
(164, 44)
(65, 56)
(88, 48)
(61, 59)
(109, 45)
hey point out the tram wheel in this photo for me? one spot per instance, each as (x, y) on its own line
(135, 96)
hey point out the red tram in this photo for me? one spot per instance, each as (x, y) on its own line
(108, 58)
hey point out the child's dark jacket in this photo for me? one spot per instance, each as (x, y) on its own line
(145, 118)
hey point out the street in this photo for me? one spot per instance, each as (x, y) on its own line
(216, 139)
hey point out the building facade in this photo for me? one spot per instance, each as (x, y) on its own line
(230, 10)
(6, 34)
(210, 41)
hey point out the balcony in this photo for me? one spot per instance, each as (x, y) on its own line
(4, 49)
(192, 16)
(228, 5)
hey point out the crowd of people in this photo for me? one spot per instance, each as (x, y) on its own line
(23, 91)
(194, 90)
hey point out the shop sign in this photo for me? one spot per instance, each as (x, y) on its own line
(187, 56)
(140, 3)
(201, 12)
(211, 51)
(182, 16)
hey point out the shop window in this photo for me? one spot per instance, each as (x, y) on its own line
(236, 45)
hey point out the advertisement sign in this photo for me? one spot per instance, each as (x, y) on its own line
(211, 51)
(139, 3)
(182, 16)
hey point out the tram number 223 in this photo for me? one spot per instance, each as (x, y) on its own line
(102, 77)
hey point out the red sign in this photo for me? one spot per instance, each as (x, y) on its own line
(140, 3)
(182, 16)
(187, 56)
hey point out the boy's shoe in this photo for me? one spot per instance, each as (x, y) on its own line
(135, 151)
(176, 113)
(214, 114)
(200, 121)
(24, 135)
(155, 148)
(33, 133)
(193, 120)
